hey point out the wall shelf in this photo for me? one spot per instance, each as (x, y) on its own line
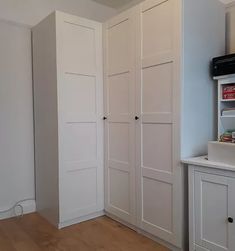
(227, 116)
(225, 122)
(227, 100)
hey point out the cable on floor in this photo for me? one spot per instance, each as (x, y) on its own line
(15, 206)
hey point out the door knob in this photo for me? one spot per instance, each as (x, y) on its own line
(136, 117)
(104, 118)
(230, 219)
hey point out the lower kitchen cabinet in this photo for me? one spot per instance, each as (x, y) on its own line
(211, 208)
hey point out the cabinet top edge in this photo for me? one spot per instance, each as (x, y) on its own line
(202, 161)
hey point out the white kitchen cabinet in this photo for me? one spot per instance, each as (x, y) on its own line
(68, 104)
(211, 206)
(157, 85)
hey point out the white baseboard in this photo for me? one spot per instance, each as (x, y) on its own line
(81, 219)
(115, 218)
(160, 241)
(28, 207)
(142, 232)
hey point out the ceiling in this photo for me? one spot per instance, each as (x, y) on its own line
(114, 3)
(227, 1)
(117, 4)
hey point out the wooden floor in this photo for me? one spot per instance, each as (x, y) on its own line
(33, 233)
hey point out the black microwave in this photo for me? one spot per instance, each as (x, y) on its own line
(224, 65)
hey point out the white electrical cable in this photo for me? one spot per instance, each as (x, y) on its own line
(13, 208)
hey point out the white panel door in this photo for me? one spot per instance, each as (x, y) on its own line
(157, 95)
(120, 122)
(214, 209)
(79, 48)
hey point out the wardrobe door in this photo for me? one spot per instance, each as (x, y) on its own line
(120, 122)
(80, 94)
(157, 154)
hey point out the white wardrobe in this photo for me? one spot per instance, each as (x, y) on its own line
(124, 161)
(158, 108)
(142, 90)
(68, 104)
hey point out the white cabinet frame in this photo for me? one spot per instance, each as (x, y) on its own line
(218, 176)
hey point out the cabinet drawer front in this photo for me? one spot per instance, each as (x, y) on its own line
(212, 209)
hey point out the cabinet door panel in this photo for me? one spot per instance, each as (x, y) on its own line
(157, 92)
(157, 142)
(156, 214)
(82, 58)
(212, 209)
(120, 123)
(77, 205)
(119, 190)
(80, 94)
(157, 155)
(79, 97)
(80, 142)
(157, 17)
(119, 92)
(119, 47)
(119, 142)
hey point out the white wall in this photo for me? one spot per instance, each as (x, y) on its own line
(32, 11)
(230, 20)
(16, 117)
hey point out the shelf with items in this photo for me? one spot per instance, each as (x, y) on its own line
(226, 106)
(227, 100)
(227, 92)
(228, 123)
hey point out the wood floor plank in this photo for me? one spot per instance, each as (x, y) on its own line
(48, 237)
(33, 233)
(19, 239)
(5, 243)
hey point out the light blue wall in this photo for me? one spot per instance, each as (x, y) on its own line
(204, 38)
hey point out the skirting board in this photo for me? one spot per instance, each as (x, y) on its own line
(81, 219)
(28, 207)
(142, 232)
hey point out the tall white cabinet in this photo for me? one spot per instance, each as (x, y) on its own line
(157, 131)
(147, 101)
(68, 102)
(120, 113)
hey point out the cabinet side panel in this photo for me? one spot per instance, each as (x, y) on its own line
(204, 38)
(46, 122)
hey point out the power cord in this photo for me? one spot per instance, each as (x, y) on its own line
(15, 206)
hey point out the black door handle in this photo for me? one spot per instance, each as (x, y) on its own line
(136, 118)
(230, 219)
(104, 118)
